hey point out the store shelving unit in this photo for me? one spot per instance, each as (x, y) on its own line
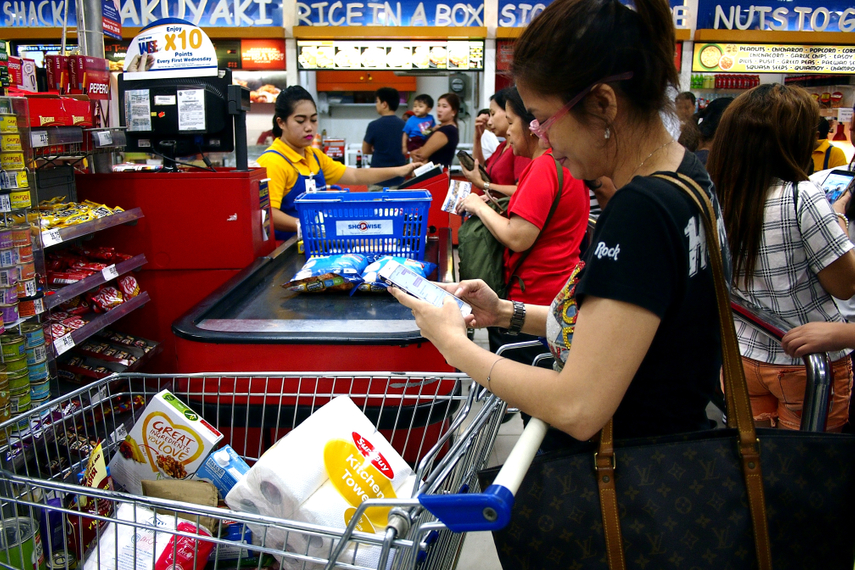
(68, 292)
(63, 344)
(57, 236)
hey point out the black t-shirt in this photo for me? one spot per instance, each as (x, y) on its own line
(445, 154)
(649, 249)
(384, 134)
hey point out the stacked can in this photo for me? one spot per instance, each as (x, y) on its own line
(14, 352)
(5, 410)
(37, 364)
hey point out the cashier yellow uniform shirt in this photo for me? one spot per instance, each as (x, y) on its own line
(826, 156)
(284, 176)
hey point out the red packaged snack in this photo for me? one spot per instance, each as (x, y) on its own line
(55, 331)
(106, 298)
(73, 323)
(185, 552)
(129, 286)
(67, 277)
(90, 265)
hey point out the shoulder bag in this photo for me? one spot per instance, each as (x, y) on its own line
(697, 500)
(482, 256)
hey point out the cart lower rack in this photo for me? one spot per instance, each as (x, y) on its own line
(443, 424)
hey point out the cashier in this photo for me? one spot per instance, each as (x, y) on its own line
(295, 167)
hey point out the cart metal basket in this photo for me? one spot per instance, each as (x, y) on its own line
(450, 431)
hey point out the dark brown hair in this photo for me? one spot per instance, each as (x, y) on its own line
(767, 133)
(453, 101)
(575, 43)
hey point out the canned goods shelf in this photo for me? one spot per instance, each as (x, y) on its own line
(70, 291)
(54, 237)
(60, 346)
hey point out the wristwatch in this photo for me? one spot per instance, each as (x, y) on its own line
(486, 187)
(517, 318)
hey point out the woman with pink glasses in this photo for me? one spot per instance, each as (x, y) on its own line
(635, 329)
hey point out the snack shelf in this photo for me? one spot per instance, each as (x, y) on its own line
(88, 283)
(128, 366)
(62, 344)
(54, 237)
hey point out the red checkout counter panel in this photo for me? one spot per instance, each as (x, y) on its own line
(253, 324)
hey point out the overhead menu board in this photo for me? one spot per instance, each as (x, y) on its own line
(377, 55)
(768, 58)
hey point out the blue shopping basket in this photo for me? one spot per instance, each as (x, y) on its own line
(392, 222)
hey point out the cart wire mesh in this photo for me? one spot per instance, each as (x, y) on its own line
(444, 425)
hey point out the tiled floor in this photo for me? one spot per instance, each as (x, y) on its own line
(479, 553)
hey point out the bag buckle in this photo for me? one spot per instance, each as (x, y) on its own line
(598, 468)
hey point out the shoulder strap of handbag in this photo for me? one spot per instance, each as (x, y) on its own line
(738, 404)
(552, 209)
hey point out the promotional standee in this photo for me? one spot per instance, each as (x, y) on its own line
(202, 226)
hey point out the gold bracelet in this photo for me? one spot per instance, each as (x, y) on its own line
(842, 217)
(490, 373)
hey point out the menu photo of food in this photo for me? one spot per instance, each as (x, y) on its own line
(421, 57)
(316, 56)
(374, 57)
(399, 57)
(458, 55)
(476, 55)
(438, 57)
(348, 57)
(263, 87)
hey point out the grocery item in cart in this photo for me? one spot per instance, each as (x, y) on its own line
(330, 273)
(127, 547)
(168, 441)
(223, 469)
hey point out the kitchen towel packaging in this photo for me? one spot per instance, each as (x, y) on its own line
(319, 473)
(293, 469)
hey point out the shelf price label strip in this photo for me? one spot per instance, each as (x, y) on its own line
(51, 237)
(110, 272)
(63, 344)
(39, 139)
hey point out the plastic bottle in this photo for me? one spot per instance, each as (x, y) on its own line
(316, 142)
(359, 159)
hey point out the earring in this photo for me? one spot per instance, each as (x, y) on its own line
(607, 135)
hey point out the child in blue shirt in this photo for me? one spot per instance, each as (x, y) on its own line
(418, 127)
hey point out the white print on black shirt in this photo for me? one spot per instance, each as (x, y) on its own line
(697, 245)
(605, 251)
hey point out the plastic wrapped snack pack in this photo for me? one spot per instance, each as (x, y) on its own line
(330, 273)
(373, 283)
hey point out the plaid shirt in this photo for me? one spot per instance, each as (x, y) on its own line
(792, 252)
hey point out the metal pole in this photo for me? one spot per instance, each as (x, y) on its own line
(817, 392)
(90, 37)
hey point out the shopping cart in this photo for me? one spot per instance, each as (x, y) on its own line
(455, 428)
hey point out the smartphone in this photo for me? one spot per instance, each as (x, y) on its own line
(404, 278)
(836, 183)
(468, 163)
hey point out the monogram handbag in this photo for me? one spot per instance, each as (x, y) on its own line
(734, 498)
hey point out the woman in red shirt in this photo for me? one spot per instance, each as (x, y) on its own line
(554, 245)
(504, 167)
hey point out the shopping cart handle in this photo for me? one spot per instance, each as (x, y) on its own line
(490, 510)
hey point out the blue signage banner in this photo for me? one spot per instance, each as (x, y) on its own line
(134, 13)
(406, 13)
(819, 16)
(517, 14)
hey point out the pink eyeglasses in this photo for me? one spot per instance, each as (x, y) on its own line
(541, 130)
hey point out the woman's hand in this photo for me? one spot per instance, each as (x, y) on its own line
(480, 125)
(487, 308)
(443, 326)
(842, 203)
(474, 175)
(408, 169)
(818, 337)
(473, 204)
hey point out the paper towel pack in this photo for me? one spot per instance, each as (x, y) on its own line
(292, 480)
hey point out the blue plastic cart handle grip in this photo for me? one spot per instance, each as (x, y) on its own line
(490, 510)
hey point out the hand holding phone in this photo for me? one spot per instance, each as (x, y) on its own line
(404, 278)
(466, 161)
(837, 183)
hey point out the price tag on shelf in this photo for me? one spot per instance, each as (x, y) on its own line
(105, 138)
(63, 344)
(110, 272)
(39, 138)
(5, 203)
(51, 237)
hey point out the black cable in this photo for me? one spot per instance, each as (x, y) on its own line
(164, 157)
(206, 159)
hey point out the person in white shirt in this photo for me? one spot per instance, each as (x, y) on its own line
(489, 141)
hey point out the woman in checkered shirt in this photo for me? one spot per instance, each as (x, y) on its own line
(790, 249)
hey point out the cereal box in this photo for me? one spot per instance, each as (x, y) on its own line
(169, 441)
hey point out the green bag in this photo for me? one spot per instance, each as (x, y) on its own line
(481, 255)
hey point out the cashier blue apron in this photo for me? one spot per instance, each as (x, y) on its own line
(313, 182)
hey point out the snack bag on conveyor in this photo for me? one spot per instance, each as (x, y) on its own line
(343, 461)
(329, 273)
(373, 283)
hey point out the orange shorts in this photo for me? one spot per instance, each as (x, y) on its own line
(777, 393)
